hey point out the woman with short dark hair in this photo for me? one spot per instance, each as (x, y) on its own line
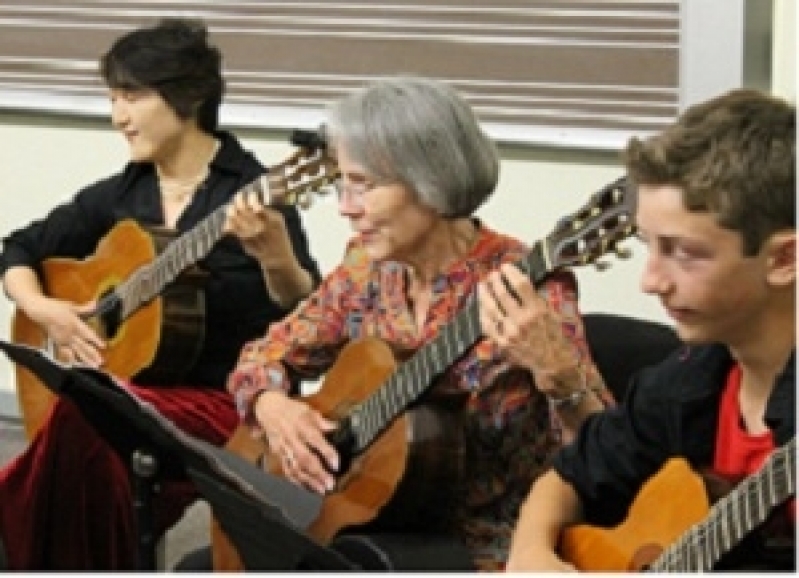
(66, 502)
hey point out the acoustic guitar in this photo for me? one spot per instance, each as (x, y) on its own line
(400, 443)
(671, 526)
(150, 305)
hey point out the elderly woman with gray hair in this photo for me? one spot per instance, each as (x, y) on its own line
(415, 166)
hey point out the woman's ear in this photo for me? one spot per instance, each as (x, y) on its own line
(781, 258)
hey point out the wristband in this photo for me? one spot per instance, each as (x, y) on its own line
(570, 401)
(573, 399)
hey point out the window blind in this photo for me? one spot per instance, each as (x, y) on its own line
(558, 72)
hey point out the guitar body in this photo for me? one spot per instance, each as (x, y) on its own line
(668, 504)
(403, 481)
(168, 328)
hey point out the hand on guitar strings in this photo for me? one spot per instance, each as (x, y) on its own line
(74, 340)
(295, 433)
(524, 327)
(260, 229)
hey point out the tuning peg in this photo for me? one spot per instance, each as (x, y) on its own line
(601, 265)
(623, 252)
(304, 200)
(309, 139)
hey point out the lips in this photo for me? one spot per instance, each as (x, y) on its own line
(365, 233)
(678, 314)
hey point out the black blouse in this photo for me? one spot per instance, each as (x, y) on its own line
(238, 307)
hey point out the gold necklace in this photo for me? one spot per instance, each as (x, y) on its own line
(178, 190)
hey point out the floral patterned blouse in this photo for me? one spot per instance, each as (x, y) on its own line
(510, 432)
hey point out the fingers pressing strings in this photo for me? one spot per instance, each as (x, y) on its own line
(504, 298)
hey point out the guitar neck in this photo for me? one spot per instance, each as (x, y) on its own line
(417, 374)
(732, 518)
(150, 280)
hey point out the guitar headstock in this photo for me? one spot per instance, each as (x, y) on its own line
(594, 230)
(307, 171)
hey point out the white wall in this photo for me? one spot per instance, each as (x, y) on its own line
(46, 159)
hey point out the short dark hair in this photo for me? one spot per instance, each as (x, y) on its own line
(733, 156)
(175, 59)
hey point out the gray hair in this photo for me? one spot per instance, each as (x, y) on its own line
(421, 133)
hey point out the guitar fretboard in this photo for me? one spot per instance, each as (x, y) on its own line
(733, 517)
(413, 377)
(150, 280)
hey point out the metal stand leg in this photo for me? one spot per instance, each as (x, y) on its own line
(144, 466)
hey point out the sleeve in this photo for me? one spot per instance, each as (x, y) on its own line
(617, 450)
(561, 293)
(72, 229)
(299, 242)
(302, 346)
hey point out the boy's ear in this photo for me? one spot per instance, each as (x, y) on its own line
(781, 249)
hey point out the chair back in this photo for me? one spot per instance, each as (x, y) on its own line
(622, 345)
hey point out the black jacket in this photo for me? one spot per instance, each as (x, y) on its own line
(671, 410)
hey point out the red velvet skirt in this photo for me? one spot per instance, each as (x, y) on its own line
(66, 502)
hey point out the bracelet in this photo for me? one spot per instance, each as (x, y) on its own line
(570, 401)
(573, 399)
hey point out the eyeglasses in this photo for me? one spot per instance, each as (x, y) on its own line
(355, 191)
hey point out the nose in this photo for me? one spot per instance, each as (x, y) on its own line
(348, 205)
(654, 280)
(119, 113)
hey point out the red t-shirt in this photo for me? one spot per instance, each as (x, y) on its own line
(739, 453)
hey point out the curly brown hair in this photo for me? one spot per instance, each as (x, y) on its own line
(733, 156)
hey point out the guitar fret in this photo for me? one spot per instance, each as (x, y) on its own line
(738, 520)
(392, 406)
(751, 507)
(416, 369)
(696, 559)
(688, 562)
(427, 365)
(395, 396)
(722, 539)
(473, 320)
(759, 493)
(363, 427)
(690, 559)
(726, 516)
(381, 415)
(769, 490)
(727, 527)
(710, 542)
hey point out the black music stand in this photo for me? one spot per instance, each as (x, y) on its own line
(263, 515)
